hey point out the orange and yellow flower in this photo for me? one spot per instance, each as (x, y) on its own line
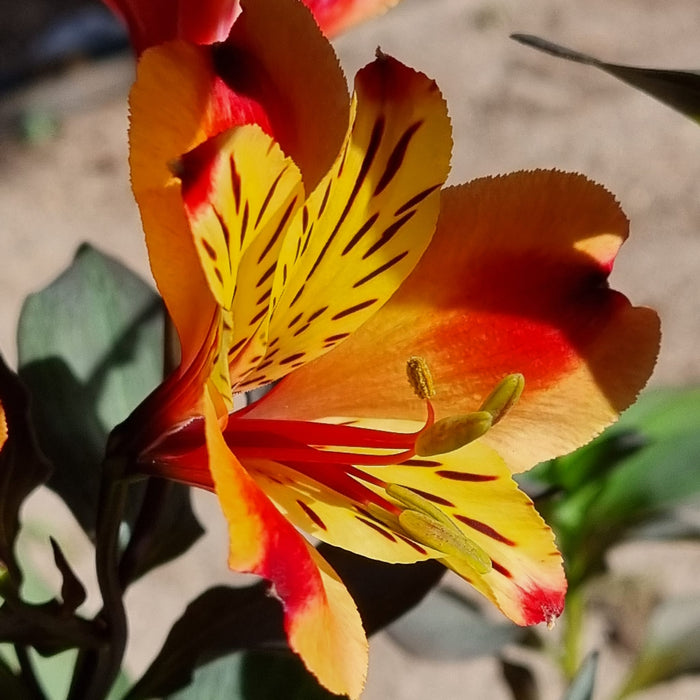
(153, 22)
(304, 237)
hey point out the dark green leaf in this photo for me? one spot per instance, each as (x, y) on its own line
(679, 89)
(383, 592)
(90, 349)
(520, 680)
(223, 620)
(12, 686)
(46, 627)
(583, 685)
(671, 647)
(22, 466)
(447, 626)
(165, 528)
(219, 621)
(72, 590)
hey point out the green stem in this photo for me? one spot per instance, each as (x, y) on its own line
(97, 670)
(144, 531)
(573, 632)
(29, 678)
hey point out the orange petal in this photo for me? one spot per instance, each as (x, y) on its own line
(3, 426)
(335, 16)
(277, 55)
(513, 281)
(185, 94)
(152, 22)
(321, 620)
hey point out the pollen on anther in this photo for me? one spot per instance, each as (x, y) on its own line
(420, 378)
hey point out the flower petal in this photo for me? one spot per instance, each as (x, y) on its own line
(277, 55)
(365, 226)
(335, 16)
(152, 22)
(186, 94)
(513, 281)
(240, 193)
(321, 620)
(3, 426)
(472, 486)
(171, 107)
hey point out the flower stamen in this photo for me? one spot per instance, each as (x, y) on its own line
(427, 524)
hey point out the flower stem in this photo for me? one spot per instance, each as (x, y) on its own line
(28, 675)
(573, 630)
(97, 670)
(144, 531)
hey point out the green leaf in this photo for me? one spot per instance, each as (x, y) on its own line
(679, 89)
(90, 349)
(72, 590)
(583, 684)
(520, 680)
(22, 467)
(11, 685)
(450, 627)
(641, 469)
(219, 621)
(254, 676)
(671, 647)
(223, 620)
(165, 528)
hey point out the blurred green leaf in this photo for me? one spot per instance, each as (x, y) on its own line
(679, 89)
(583, 685)
(219, 621)
(254, 676)
(640, 469)
(90, 349)
(22, 467)
(223, 619)
(448, 626)
(671, 647)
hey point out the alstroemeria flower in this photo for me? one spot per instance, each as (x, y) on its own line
(153, 22)
(302, 237)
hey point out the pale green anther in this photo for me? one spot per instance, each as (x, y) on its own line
(504, 396)
(426, 523)
(453, 432)
(451, 542)
(411, 499)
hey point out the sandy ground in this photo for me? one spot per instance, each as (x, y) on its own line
(511, 109)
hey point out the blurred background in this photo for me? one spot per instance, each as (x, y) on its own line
(65, 71)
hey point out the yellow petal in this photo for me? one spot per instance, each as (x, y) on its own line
(240, 192)
(471, 486)
(368, 222)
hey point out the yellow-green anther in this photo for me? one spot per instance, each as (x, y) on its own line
(420, 378)
(504, 396)
(411, 499)
(453, 432)
(451, 542)
(424, 522)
